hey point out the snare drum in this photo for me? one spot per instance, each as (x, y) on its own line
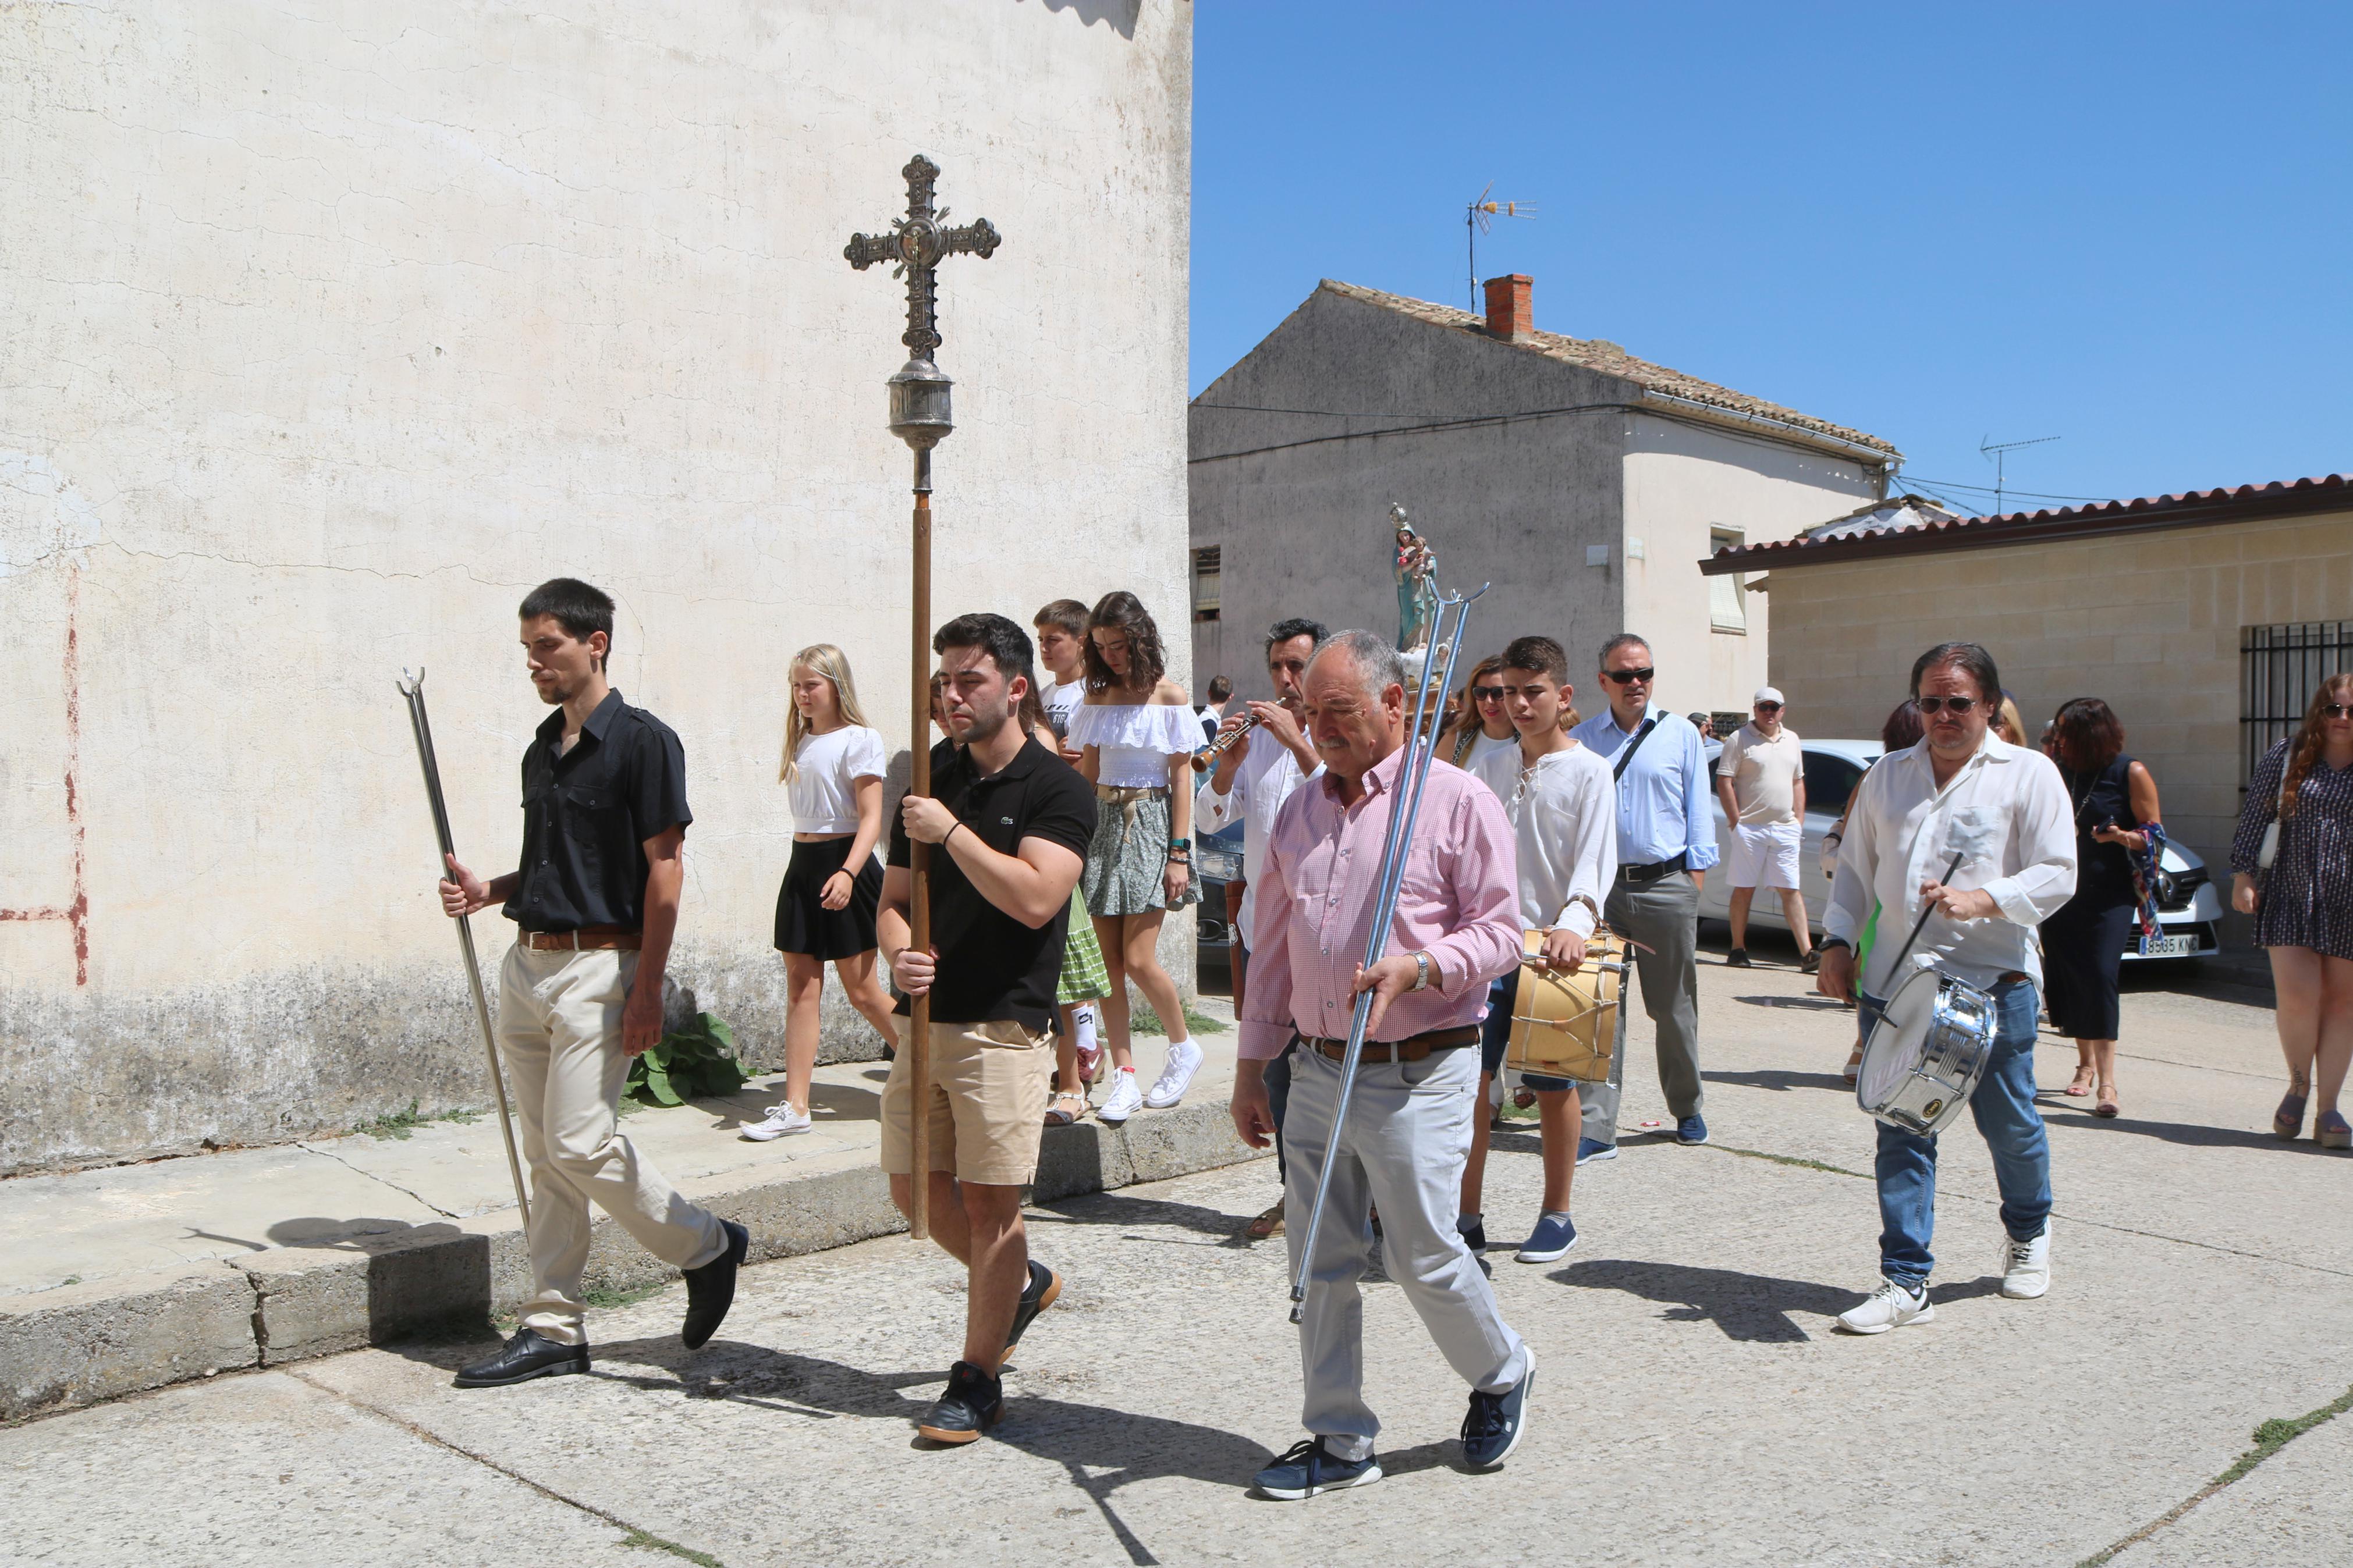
(1566, 1025)
(1926, 1053)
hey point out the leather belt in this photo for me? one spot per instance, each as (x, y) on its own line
(1639, 876)
(1122, 794)
(588, 939)
(1413, 1048)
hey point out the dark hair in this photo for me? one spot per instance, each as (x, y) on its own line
(1219, 689)
(1540, 654)
(1621, 640)
(1122, 611)
(2310, 736)
(1468, 725)
(1282, 631)
(577, 607)
(2086, 735)
(1971, 657)
(1903, 729)
(1006, 644)
(1067, 614)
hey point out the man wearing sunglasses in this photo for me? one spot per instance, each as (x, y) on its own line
(2004, 810)
(1666, 842)
(1761, 779)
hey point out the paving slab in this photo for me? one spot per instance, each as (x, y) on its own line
(2296, 1506)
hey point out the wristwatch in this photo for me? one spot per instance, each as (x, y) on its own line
(1830, 942)
(1420, 973)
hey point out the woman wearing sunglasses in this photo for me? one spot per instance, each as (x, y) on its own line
(2294, 859)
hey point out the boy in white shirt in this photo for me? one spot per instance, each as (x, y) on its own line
(1562, 804)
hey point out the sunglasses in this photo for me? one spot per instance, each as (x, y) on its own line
(1955, 705)
(1486, 694)
(2337, 709)
(1628, 677)
(1768, 708)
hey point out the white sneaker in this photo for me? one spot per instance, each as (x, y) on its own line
(1175, 1076)
(1889, 1306)
(1125, 1099)
(2026, 1265)
(781, 1121)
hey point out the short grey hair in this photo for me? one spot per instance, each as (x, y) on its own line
(1378, 664)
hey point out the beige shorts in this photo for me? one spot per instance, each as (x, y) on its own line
(988, 1103)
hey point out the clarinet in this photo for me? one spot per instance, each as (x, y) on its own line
(1206, 757)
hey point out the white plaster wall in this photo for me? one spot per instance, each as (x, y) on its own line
(333, 328)
(1683, 480)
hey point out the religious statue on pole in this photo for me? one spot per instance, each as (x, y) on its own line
(1414, 564)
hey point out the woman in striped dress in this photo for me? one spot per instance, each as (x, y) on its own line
(2303, 901)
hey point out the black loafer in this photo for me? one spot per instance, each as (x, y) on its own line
(527, 1355)
(710, 1289)
(973, 1404)
(1036, 1297)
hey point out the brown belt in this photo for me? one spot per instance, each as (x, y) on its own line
(588, 939)
(1410, 1050)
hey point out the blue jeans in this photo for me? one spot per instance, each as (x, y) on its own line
(1278, 1096)
(2012, 1126)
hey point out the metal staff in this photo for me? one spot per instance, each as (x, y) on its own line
(920, 416)
(413, 688)
(1397, 843)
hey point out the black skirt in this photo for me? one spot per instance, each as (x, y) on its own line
(2083, 954)
(803, 924)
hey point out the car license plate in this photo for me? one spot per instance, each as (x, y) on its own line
(2169, 946)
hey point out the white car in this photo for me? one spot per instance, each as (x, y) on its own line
(2189, 905)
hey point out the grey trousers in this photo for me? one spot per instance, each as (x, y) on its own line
(1662, 915)
(1409, 1132)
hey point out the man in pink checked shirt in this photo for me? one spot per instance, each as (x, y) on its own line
(1410, 1119)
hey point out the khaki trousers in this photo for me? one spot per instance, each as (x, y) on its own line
(560, 1032)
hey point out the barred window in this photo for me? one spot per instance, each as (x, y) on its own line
(2279, 669)
(1206, 571)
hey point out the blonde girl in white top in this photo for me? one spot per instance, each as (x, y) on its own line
(833, 767)
(1136, 736)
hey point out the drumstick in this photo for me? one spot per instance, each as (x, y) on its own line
(1917, 927)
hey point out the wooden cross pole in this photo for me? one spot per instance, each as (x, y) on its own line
(920, 416)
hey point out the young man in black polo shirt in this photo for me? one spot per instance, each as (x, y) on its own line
(1010, 823)
(604, 800)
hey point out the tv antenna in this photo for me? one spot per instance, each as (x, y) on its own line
(2000, 451)
(1479, 218)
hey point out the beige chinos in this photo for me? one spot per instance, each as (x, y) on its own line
(560, 1031)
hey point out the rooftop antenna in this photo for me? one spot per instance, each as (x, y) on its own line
(2000, 452)
(1478, 218)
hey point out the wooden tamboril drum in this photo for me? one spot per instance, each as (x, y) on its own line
(1566, 1025)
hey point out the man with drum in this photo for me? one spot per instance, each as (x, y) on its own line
(1456, 928)
(2003, 811)
(1557, 794)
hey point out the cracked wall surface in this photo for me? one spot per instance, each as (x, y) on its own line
(333, 328)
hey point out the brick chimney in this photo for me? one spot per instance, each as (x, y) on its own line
(1509, 314)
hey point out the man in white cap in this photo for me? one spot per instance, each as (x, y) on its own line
(1761, 778)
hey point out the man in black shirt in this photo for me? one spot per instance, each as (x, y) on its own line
(605, 815)
(1010, 823)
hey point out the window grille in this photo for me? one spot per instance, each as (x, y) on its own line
(1205, 573)
(2279, 669)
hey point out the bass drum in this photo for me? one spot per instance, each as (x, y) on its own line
(1926, 1053)
(1566, 1025)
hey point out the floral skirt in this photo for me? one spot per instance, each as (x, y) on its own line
(1129, 858)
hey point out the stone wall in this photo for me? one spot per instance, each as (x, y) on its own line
(336, 327)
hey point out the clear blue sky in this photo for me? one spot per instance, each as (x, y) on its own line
(2131, 226)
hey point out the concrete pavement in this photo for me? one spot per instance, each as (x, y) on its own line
(1693, 1405)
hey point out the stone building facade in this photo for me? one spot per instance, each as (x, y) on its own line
(336, 327)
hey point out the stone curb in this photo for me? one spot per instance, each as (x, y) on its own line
(291, 1303)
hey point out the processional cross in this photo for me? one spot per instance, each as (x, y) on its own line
(920, 416)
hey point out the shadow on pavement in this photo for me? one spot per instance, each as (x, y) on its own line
(2185, 1133)
(1753, 1308)
(1780, 1078)
(1802, 1003)
(1115, 1208)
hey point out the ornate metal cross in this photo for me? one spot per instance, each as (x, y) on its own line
(920, 416)
(917, 243)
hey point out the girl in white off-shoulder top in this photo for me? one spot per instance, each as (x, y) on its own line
(1136, 736)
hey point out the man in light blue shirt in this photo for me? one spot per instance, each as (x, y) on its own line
(1666, 842)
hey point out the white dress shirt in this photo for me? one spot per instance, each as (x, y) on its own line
(1263, 780)
(2007, 809)
(1563, 815)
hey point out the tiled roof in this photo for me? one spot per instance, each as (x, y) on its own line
(2248, 503)
(1608, 358)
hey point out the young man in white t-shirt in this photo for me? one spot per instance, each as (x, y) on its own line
(1563, 807)
(1761, 779)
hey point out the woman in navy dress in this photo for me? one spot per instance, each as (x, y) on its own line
(2303, 902)
(2115, 799)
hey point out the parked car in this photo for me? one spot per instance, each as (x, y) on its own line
(2190, 904)
(1217, 860)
